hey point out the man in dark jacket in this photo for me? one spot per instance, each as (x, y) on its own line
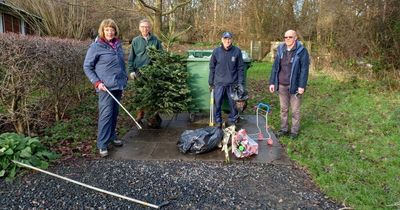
(289, 77)
(138, 56)
(226, 72)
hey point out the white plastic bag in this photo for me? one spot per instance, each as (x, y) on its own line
(243, 145)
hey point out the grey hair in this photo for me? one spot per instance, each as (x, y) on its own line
(145, 21)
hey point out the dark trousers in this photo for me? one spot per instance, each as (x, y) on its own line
(221, 93)
(108, 113)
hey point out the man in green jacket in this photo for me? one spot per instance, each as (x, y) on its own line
(138, 56)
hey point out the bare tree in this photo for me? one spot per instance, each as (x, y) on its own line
(66, 19)
(366, 30)
(155, 12)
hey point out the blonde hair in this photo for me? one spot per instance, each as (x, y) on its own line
(107, 23)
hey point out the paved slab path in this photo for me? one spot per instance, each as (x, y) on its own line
(160, 144)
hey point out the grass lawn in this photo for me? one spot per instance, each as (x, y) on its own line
(350, 137)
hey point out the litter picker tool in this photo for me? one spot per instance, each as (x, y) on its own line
(89, 186)
(211, 123)
(137, 124)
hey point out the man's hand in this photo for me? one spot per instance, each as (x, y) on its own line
(134, 75)
(300, 90)
(211, 87)
(272, 88)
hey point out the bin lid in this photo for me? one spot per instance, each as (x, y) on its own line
(205, 55)
(199, 55)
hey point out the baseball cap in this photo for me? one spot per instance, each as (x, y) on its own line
(227, 35)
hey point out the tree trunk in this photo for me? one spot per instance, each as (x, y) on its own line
(157, 24)
(171, 22)
(214, 32)
(318, 27)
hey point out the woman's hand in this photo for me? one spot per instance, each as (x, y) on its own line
(101, 87)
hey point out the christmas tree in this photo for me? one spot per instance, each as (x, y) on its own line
(163, 85)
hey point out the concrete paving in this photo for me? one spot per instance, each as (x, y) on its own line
(160, 144)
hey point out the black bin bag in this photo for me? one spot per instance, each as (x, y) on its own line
(239, 95)
(200, 140)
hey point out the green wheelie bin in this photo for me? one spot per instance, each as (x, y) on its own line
(198, 63)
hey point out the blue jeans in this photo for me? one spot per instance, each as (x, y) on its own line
(220, 92)
(108, 113)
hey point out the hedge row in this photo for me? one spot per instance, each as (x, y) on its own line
(40, 78)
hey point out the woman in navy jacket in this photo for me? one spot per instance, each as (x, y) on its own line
(105, 67)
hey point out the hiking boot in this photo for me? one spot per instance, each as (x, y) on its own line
(294, 135)
(118, 143)
(281, 133)
(103, 152)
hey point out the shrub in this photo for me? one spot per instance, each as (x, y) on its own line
(40, 78)
(23, 149)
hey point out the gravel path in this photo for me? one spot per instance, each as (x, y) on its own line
(183, 184)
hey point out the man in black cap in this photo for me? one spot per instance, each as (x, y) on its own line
(226, 72)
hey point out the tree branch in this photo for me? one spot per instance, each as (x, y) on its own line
(143, 4)
(142, 9)
(175, 8)
(121, 8)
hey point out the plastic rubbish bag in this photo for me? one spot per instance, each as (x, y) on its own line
(243, 145)
(229, 133)
(200, 140)
(239, 95)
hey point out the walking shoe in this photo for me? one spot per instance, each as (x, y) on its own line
(281, 133)
(103, 152)
(293, 135)
(118, 143)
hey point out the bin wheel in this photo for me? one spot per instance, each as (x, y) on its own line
(192, 117)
